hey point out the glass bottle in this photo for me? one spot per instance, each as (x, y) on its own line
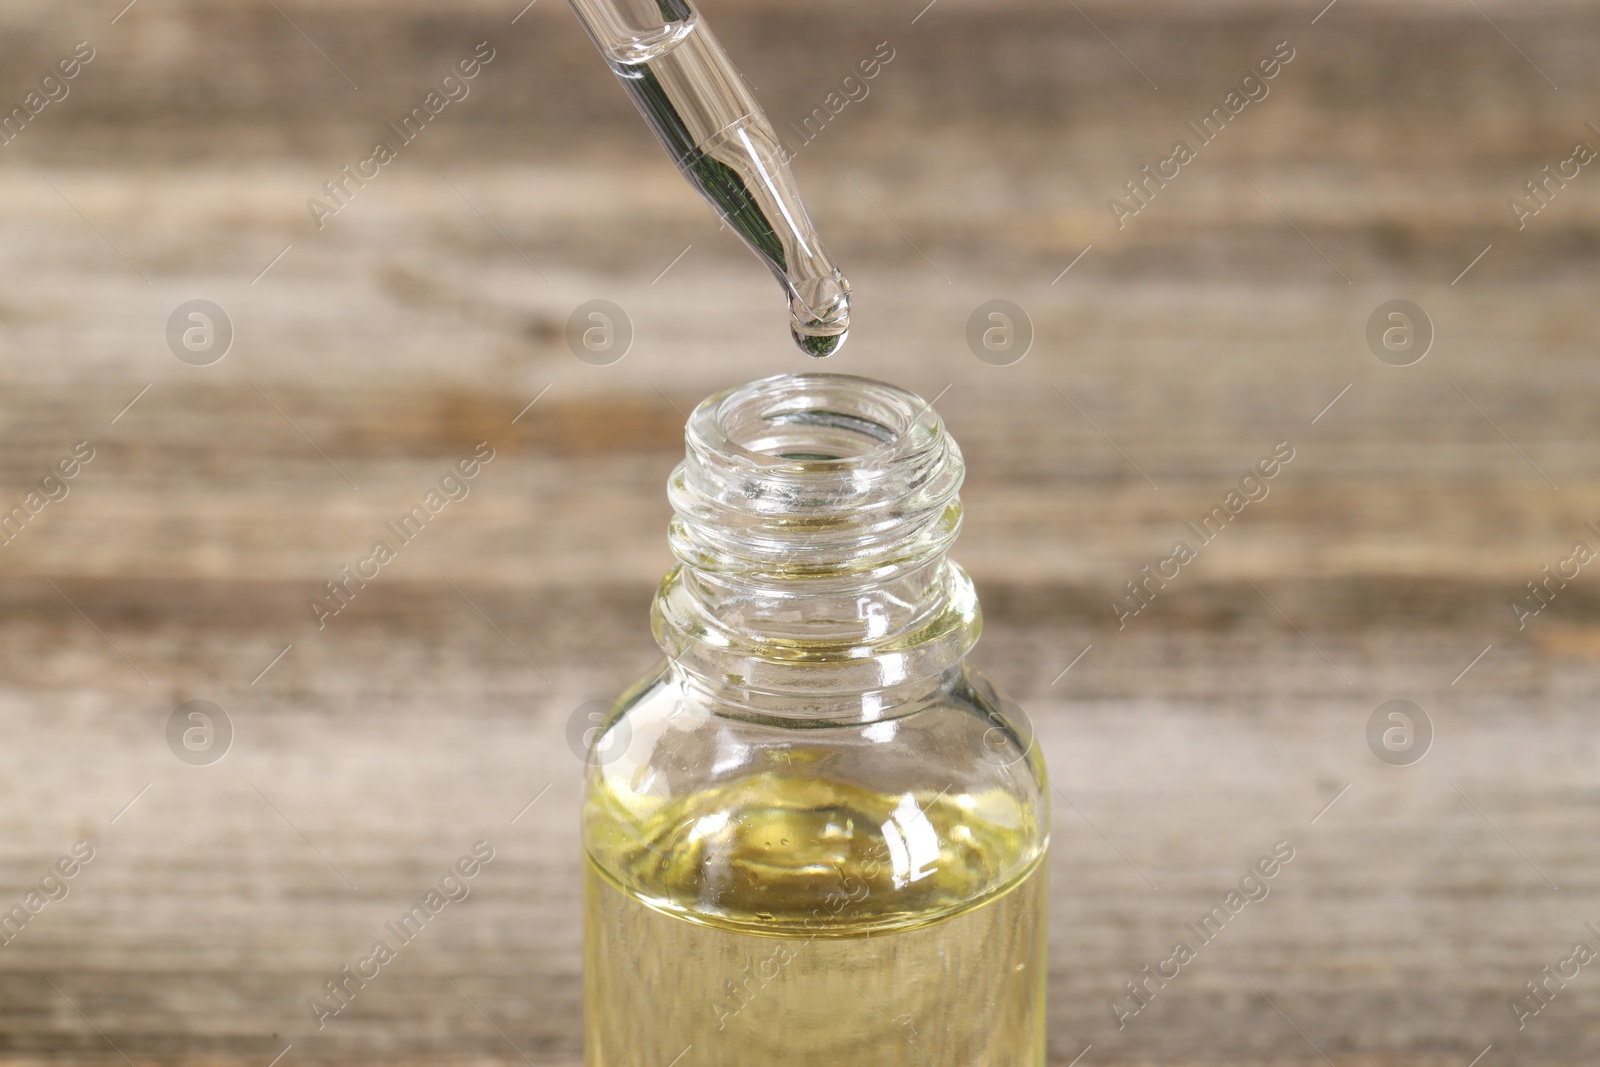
(813, 834)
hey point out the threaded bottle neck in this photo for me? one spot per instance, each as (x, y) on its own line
(812, 517)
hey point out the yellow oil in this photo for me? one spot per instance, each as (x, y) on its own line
(787, 919)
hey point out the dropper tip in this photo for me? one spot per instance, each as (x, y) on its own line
(819, 319)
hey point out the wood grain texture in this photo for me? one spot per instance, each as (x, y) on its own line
(424, 317)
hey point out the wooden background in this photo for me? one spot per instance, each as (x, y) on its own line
(428, 313)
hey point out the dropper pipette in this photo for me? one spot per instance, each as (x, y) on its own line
(710, 123)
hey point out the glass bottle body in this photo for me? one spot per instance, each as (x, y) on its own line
(814, 835)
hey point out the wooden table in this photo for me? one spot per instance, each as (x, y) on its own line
(1226, 316)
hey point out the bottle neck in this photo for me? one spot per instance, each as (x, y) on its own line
(813, 513)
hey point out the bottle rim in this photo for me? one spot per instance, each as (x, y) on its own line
(866, 424)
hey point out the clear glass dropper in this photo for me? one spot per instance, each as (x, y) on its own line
(709, 122)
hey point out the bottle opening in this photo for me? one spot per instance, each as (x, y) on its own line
(820, 422)
(819, 435)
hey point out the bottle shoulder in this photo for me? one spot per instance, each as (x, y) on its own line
(808, 828)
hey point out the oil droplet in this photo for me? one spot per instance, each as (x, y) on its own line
(816, 345)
